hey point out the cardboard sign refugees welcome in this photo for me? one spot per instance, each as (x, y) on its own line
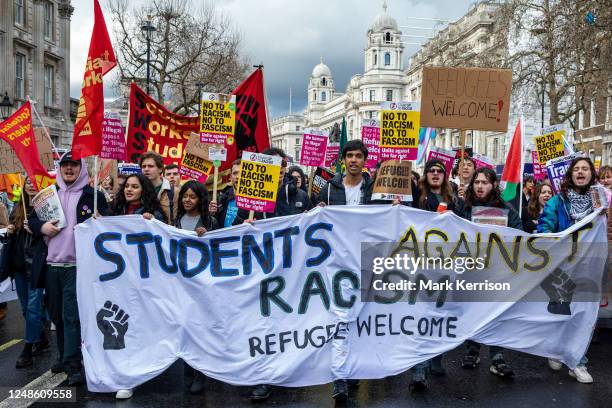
(466, 98)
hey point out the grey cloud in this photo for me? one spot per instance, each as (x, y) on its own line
(289, 37)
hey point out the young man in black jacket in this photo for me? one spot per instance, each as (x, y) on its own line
(353, 188)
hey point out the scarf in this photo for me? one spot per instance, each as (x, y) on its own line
(581, 205)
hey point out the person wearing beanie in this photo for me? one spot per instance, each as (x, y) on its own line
(432, 189)
(76, 197)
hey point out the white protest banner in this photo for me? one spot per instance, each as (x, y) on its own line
(280, 301)
(48, 206)
(8, 291)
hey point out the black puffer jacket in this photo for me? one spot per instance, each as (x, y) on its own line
(333, 193)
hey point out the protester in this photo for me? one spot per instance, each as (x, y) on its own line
(528, 186)
(433, 189)
(193, 215)
(605, 176)
(152, 166)
(531, 212)
(225, 210)
(464, 172)
(77, 201)
(483, 191)
(290, 200)
(137, 196)
(572, 204)
(353, 188)
(415, 177)
(23, 260)
(298, 175)
(172, 174)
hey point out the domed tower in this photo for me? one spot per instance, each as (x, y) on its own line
(321, 84)
(384, 50)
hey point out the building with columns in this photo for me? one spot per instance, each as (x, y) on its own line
(463, 42)
(35, 54)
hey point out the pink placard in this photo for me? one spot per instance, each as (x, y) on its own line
(370, 136)
(255, 205)
(539, 171)
(445, 156)
(314, 144)
(407, 153)
(331, 154)
(213, 138)
(193, 174)
(480, 160)
(113, 139)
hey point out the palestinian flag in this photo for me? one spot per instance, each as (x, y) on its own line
(513, 168)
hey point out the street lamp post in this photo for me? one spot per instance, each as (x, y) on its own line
(6, 106)
(543, 93)
(200, 85)
(148, 28)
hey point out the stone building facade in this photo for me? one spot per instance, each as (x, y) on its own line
(35, 54)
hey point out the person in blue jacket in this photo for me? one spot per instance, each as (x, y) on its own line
(572, 204)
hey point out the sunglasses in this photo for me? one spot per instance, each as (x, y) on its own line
(435, 171)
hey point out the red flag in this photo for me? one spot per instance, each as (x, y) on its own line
(87, 139)
(17, 131)
(251, 120)
(152, 127)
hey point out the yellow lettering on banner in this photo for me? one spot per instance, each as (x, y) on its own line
(550, 146)
(258, 181)
(399, 129)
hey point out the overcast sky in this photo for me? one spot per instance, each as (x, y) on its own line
(290, 36)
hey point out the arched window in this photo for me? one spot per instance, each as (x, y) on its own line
(375, 59)
(323, 81)
(323, 96)
(314, 95)
(388, 38)
(387, 58)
